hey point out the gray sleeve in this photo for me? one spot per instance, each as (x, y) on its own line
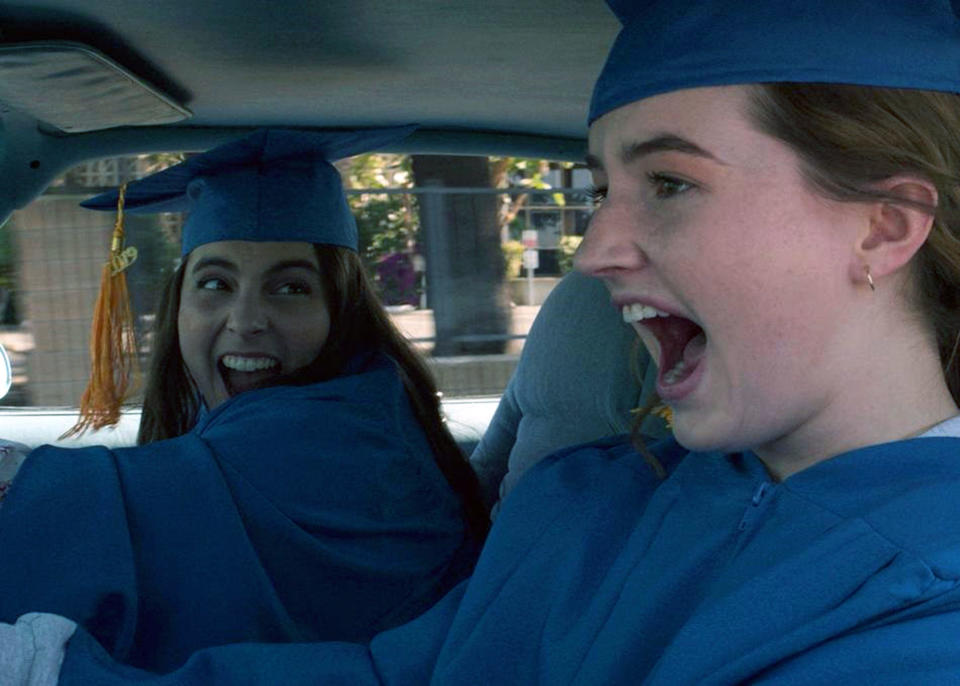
(32, 650)
(12, 455)
(491, 456)
(578, 379)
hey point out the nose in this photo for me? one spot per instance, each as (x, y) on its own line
(247, 315)
(611, 244)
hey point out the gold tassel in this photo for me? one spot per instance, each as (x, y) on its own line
(662, 410)
(665, 413)
(114, 367)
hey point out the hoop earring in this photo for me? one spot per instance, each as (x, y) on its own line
(866, 269)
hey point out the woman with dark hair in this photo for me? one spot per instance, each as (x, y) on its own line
(294, 479)
(358, 322)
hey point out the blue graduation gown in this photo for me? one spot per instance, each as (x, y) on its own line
(596, 573)
(287, 514)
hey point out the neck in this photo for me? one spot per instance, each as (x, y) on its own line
(896, 391)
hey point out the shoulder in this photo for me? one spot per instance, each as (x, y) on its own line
(907, 492)
(369, 387)
(57, 459)
(594, 474)
(359, 428)
(76, 479)
(616, 455)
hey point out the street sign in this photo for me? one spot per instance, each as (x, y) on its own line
(531, 259)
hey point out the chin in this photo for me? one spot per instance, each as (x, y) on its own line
(694, 441)
(697, 436)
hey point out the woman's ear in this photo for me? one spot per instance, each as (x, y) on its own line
(894, 231)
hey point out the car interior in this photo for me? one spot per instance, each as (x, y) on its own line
(83, 81)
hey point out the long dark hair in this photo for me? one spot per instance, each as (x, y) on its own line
(358, 322)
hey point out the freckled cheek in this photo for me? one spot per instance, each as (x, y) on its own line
(743, 317)
(764, 342)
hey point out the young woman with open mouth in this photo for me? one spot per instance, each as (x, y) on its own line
(294, 479)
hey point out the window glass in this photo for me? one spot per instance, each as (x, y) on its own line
(463, 251)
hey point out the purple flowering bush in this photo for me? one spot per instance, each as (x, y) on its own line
(397, 279)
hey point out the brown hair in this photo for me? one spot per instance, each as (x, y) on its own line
(851, 137)
(357, 322)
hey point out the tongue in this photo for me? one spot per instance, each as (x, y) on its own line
(693, 350)
(680, 339)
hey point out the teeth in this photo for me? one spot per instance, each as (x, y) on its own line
(248, 364)
(638, 312)
(674, 374)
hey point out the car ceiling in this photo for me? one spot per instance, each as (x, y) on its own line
(480, 77)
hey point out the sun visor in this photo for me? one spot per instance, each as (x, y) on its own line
(74, 88)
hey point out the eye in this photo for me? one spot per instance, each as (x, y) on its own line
(212, 283)
(666, 186)
(293, 288)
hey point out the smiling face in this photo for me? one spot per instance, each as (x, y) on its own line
(734, 272)
(249, 313)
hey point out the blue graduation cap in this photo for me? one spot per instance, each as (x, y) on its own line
(671, 45)
(272, 185)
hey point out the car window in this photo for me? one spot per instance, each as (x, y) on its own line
(463, 250)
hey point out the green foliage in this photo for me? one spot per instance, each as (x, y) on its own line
(513, 258)
(387, 223)
(161, 160)
(513, 255)
(567, 250)
(384, 225)
(525, 173)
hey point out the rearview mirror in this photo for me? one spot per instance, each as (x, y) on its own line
(6, 373)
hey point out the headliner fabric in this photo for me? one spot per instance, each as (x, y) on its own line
(76, 89)
(272, 185)
(291, 513)
(668, 45)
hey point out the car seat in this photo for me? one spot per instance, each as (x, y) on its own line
(579, 376)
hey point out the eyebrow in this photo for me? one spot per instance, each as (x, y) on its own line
(294, 264)
(631, 152)
(213, 262)
(278, 267)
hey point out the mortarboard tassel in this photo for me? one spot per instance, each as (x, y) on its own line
(661, 410)
(665, 413)
(113, 345)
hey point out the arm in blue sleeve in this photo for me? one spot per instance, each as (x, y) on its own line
(923, 649)
(402, 656)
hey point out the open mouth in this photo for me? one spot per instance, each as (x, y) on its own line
(681, 342)
(246, 372)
